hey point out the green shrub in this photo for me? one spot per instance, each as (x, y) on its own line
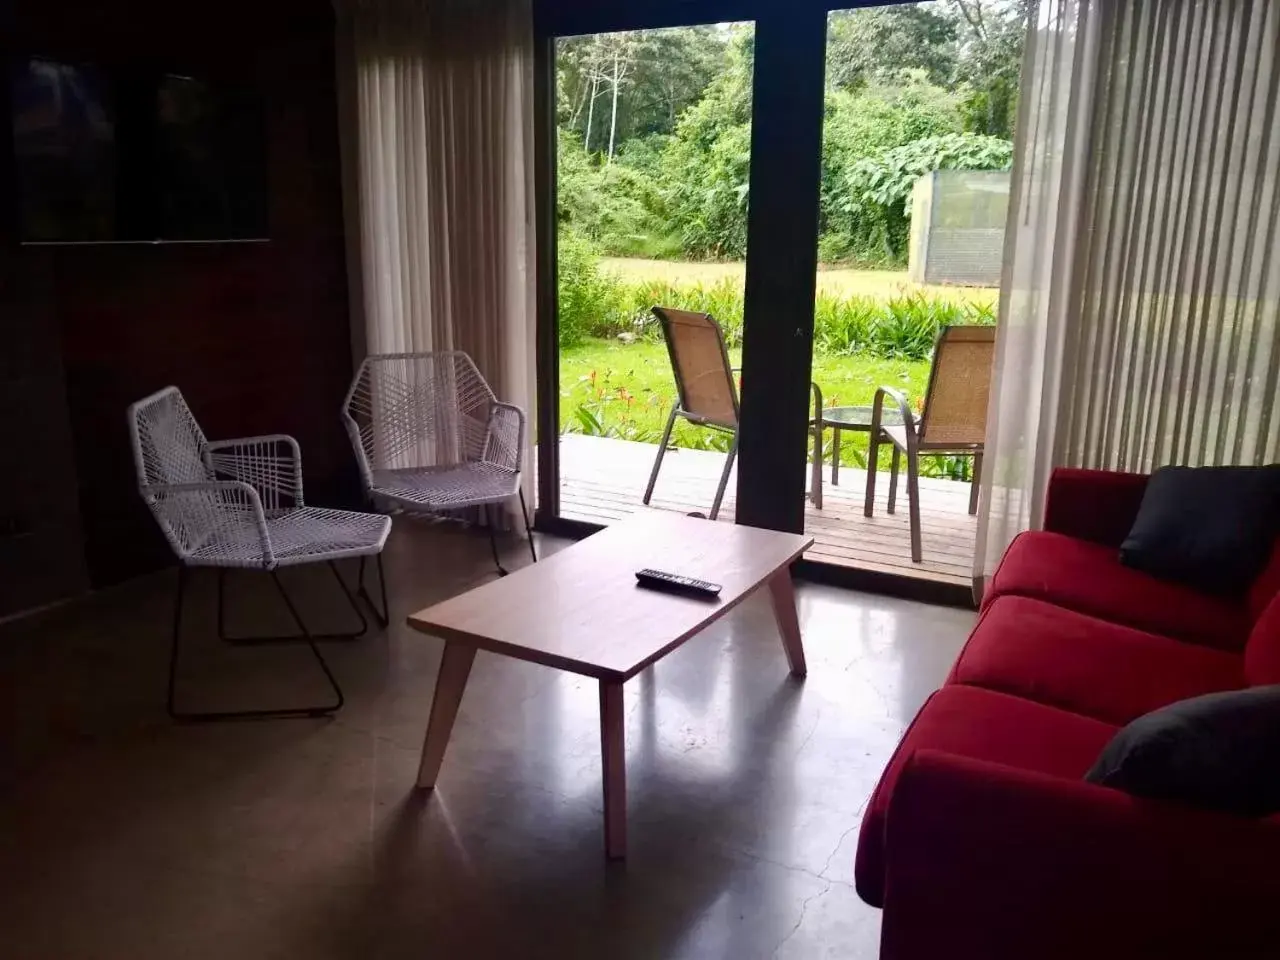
(588, 300)
(723, 300)
(596, 303)
(865, 124)
(843, 326)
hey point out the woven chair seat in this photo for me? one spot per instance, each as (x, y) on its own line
(304, 535)
(431, 437)
(445, 488)
(239, 504)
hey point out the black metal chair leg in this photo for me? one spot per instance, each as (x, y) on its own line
(383, 616)
(528, 528)
(222, 585)
(315, 651)
(267, 714)
(171, 705)
(346, 591)
(287, 637)
(493, 539)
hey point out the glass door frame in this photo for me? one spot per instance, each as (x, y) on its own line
(787, 110)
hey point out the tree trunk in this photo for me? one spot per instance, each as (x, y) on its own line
(613, 120)
(577, 107)
(591, 112)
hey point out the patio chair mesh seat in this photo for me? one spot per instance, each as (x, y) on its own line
(954, 421)
(705, 391)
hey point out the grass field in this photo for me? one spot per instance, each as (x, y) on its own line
(626, 390)
(837, 280)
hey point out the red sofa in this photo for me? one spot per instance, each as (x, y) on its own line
(982, 838)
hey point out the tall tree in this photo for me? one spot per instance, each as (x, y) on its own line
(883, 44)
(655, 75)
(991, 35)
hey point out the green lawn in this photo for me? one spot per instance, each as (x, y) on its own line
(837, 280)
(626, 390)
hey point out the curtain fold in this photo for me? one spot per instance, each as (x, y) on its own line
(437, 123)
(1141, 290)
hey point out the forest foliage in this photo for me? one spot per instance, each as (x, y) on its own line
(655, 127)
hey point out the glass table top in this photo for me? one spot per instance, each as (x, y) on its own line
(860, 417)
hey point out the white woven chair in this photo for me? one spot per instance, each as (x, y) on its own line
(431, 437)
(237, 504)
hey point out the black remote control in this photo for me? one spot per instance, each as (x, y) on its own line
(674, 583)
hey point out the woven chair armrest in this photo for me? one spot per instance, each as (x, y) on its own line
(223, 497)
(272, 463)
(897, 397)
(504, 446)
(249, 441)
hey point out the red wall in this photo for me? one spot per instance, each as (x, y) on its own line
(255, 334)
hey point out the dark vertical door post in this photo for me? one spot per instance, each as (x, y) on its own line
(782, 259)
(547, 391)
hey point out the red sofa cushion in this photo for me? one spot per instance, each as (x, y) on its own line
(1095, 505)
(1089, 577)
(1262, 653)
(983, 725)
(1067, 659)
(1267, 586)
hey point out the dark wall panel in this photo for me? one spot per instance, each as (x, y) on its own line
(255, 334)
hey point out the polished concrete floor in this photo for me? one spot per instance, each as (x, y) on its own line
(124, 835)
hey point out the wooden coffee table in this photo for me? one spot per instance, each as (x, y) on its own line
(580, 610)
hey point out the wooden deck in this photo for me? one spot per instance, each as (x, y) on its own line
(603, 480)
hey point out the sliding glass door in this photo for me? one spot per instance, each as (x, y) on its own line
(766, 173)
(920, 106)
(674, 173)
(652, 161)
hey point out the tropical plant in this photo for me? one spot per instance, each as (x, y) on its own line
(886, 180)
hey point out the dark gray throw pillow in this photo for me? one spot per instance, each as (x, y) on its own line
(1211, 528)
(1220, 752)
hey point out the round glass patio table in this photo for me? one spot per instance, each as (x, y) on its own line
(838, 419)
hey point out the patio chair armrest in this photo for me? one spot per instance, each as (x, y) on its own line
(877, 408)
(214, 502)
(272, 463)
(504, 446)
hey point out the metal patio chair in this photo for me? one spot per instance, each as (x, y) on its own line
(954, 421)
(705, 390)
(430, 436)
(238, 504)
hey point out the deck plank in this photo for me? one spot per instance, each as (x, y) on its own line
(602, 480)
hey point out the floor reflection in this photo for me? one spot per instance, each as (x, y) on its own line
(307, 839)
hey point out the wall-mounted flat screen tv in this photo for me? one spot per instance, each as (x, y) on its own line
(106, 154)
(64, 145)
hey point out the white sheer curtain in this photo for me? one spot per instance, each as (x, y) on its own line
(1141, 291)
(437, 123)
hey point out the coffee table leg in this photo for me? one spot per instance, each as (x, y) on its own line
(455, 667)
(614, 755)
(782, 593)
